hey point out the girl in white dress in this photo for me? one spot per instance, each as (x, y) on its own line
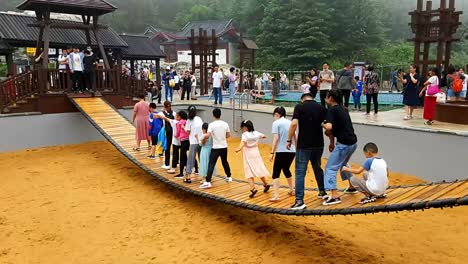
(253, 162)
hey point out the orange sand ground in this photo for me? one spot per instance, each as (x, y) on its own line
(88, 204)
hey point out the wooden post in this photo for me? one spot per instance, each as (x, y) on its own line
(10, 66)
(192, 48)
(203, 88)
(99, 43)
(158, 74)
(205, 60)
(45, 52)
(87, 21)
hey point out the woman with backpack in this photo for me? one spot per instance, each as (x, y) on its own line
(371, 90)
(455, 82)
(412, 85)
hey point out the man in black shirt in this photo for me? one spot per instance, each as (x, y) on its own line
(338, 124)
(89, 62)
(309, 116)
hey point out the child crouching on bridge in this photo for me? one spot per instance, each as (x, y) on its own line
(375, 181)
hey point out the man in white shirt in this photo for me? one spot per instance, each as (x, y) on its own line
(219, 131)
(326, 78)
(217, 83)
(266, 80)
(76, 69)
(63, 67)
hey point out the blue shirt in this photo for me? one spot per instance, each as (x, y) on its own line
(281, 127)
(155, 124)
(166, 77)
(359, 88)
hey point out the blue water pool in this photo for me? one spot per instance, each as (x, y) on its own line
(295, 96)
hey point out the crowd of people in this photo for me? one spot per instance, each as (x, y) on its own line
(197, 146)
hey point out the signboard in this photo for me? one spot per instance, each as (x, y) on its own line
(31, 51)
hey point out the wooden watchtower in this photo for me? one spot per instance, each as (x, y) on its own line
(205, 48)
(434, 26)
(90, 10)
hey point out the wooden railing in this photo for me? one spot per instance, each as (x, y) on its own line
(52, 81)
(17, 88)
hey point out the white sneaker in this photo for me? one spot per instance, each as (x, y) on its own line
(165, 167)
(205, 185)
(228, 179)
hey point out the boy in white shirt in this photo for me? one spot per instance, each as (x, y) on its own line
(219, 131)
(375, 181)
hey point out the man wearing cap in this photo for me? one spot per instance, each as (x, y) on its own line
(168, 92)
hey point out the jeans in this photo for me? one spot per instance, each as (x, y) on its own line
(323, 95)
(266, 85)
(168, 92)
(214, 155)
(337, 160)
(303, 157)
(218, 95)
(372, 97)
(346, 94)
(184, 91)
(192, 160)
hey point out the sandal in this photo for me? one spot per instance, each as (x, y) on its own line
(187, 180)
(266, 188)
(252, 193)
(275, 199)
(136, 149)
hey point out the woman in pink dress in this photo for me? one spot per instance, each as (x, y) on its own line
(253, 162)
(140, 119)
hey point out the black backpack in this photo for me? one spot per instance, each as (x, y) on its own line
(226, 84)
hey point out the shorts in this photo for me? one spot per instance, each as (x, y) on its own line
(154, 140)
(450, 93)
(283, 161)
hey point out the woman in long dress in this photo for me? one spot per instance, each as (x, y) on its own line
(253, 162)
(430, 100)
(412, 83)
(140, 119)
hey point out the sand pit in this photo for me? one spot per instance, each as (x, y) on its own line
(88, 204)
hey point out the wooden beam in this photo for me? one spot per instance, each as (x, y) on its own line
(10, 65)
(67, 25)
(99, 43)
(45, 52)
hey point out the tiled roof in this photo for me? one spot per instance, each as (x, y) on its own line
(15, 28)
(250, 44)
(220, 26)
(141, 47)
(70, 6)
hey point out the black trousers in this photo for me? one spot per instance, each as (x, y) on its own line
(175, 156)
(63, 80)
(214, 155)
(184, 147)
(346, 95)
(89, 77)
(167, 153)
(323, 95)
(77, 81)
(186, 90)
(283, 161)
(372, 97)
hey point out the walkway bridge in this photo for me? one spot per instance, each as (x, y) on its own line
(121, 133)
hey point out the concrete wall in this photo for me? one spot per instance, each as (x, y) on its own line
(432, 156)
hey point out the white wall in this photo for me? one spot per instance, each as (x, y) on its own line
(183, 55)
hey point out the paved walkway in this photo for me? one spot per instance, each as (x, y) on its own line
(393, 118)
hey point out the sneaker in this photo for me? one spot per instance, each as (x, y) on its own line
(350, 190)
(367, 200)
(228, 179)
(382, 196)
(331, 201)
(322, 195)
(151, 157)
(406, 118)
(171, 171)
(205, 185)
(179, 176)
(299, 205)
(165, 167)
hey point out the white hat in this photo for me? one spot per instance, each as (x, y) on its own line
(168, 67)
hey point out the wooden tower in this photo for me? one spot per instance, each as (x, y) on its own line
(434, 27)
(205, 48)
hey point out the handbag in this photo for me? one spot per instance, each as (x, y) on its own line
(433, 89)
